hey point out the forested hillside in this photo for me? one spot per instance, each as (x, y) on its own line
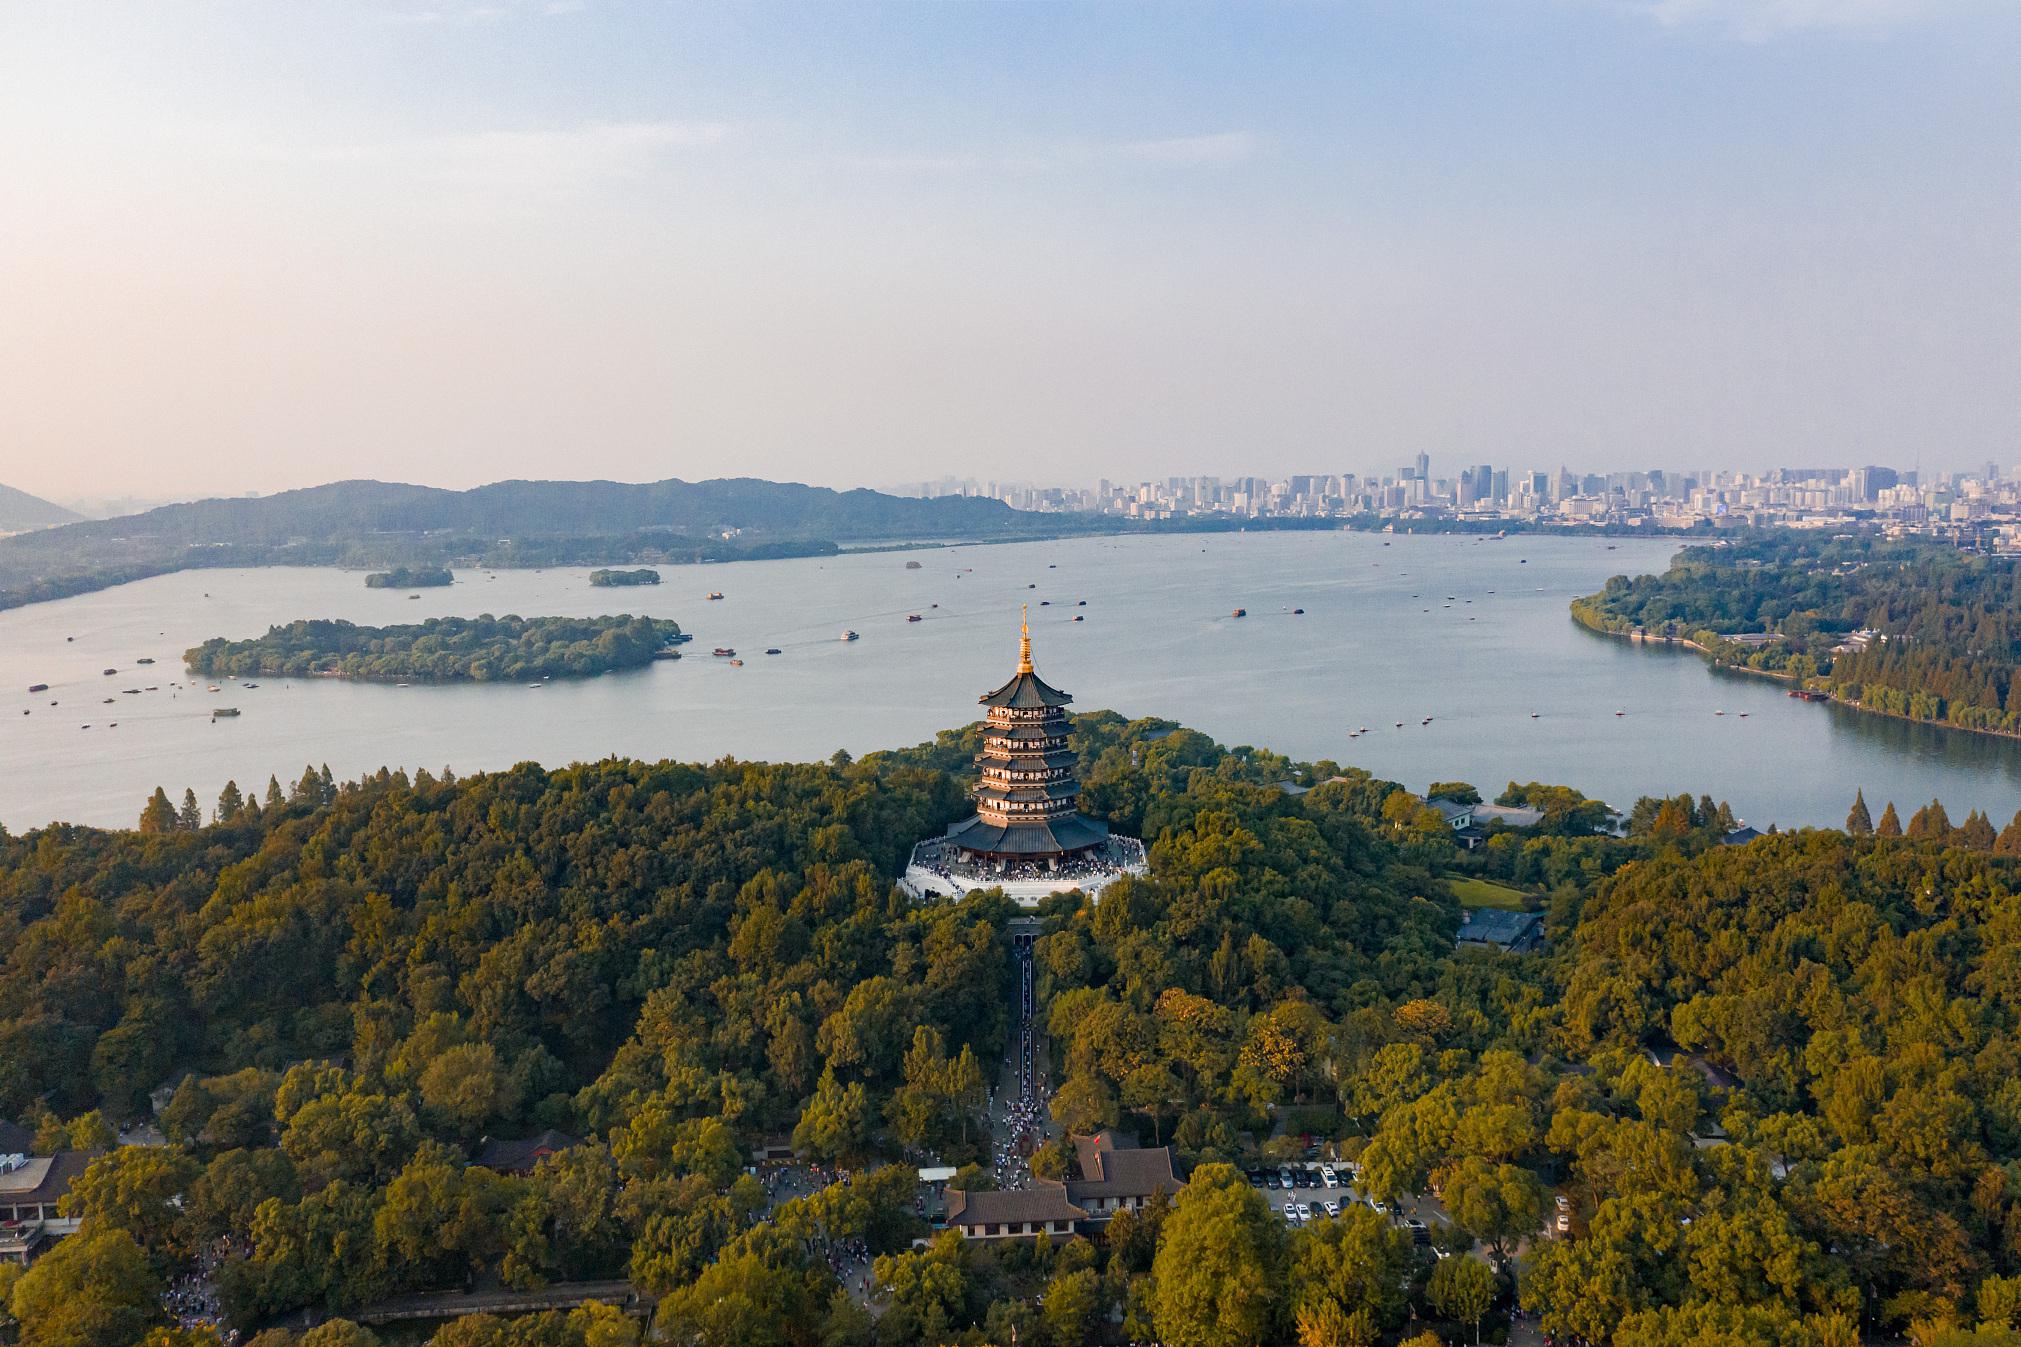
(1946, 624)
(19, 510)
(503, 524)
(1775, 1084)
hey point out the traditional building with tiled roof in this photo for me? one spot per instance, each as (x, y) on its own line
(1115, 1175)
(1027, 799)
(1027, 834)
(30, 1188)
(520, 1155)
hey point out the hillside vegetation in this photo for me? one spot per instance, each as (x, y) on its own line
(505, 524)
(1776, 1085)
(1945, 624)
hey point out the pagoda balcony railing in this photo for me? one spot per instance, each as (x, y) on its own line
(1025, 713)
(998, 744)
(997, 811)
(1036, 775)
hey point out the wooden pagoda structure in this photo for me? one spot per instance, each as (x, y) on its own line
(1027, 799)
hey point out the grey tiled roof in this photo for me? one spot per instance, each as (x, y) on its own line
(1072, 833)
(1027, 691)
(1045, 1202)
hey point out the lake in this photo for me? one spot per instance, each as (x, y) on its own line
(1471, 632)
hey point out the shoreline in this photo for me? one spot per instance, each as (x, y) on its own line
(804, 549)
(1831, 699)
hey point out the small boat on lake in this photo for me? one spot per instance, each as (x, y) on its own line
(1079, 618)
(724, 651)
(1298, 612)
(771, 649)
(224, 712)
(736, 664)
(143, 661)
(1240, 612)
(914, 617)
(911, 565)
(849, 636)
(110, 672)
(715, 594)
(38, 687)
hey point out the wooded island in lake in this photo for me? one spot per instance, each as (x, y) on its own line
(611, 579)
(478, 649)
(411, 577)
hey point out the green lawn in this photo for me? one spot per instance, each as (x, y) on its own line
(1486, 893)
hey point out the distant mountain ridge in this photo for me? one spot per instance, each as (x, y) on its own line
(515, 523)
(19, 510)
(547, 509)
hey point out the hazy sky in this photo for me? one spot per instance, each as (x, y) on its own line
(260, 245)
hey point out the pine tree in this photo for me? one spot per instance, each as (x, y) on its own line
(191, 816)
(230, 803)
(1672, 820)
(159, 815)
(2010, 836)
(309, 790)
(1890, 824)
(1930, 823)
(1976, 832)
(329, 791)
(274, 800)
(1860, 823)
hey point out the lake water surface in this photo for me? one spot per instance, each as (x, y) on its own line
(1473, 633)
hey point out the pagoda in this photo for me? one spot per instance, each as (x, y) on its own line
(1026, 837)
(1027, 800)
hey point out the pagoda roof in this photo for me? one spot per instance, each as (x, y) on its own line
(1049, 837)
(1025, 692)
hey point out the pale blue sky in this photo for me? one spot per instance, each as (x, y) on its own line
(250, 246)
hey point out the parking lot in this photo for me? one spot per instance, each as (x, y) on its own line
(1301, 1194)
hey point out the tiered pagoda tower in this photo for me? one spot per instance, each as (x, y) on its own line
(1027, 801)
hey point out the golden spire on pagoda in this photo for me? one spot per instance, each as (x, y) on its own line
(1025, 641)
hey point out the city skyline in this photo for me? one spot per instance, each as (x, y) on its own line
(253, 248)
